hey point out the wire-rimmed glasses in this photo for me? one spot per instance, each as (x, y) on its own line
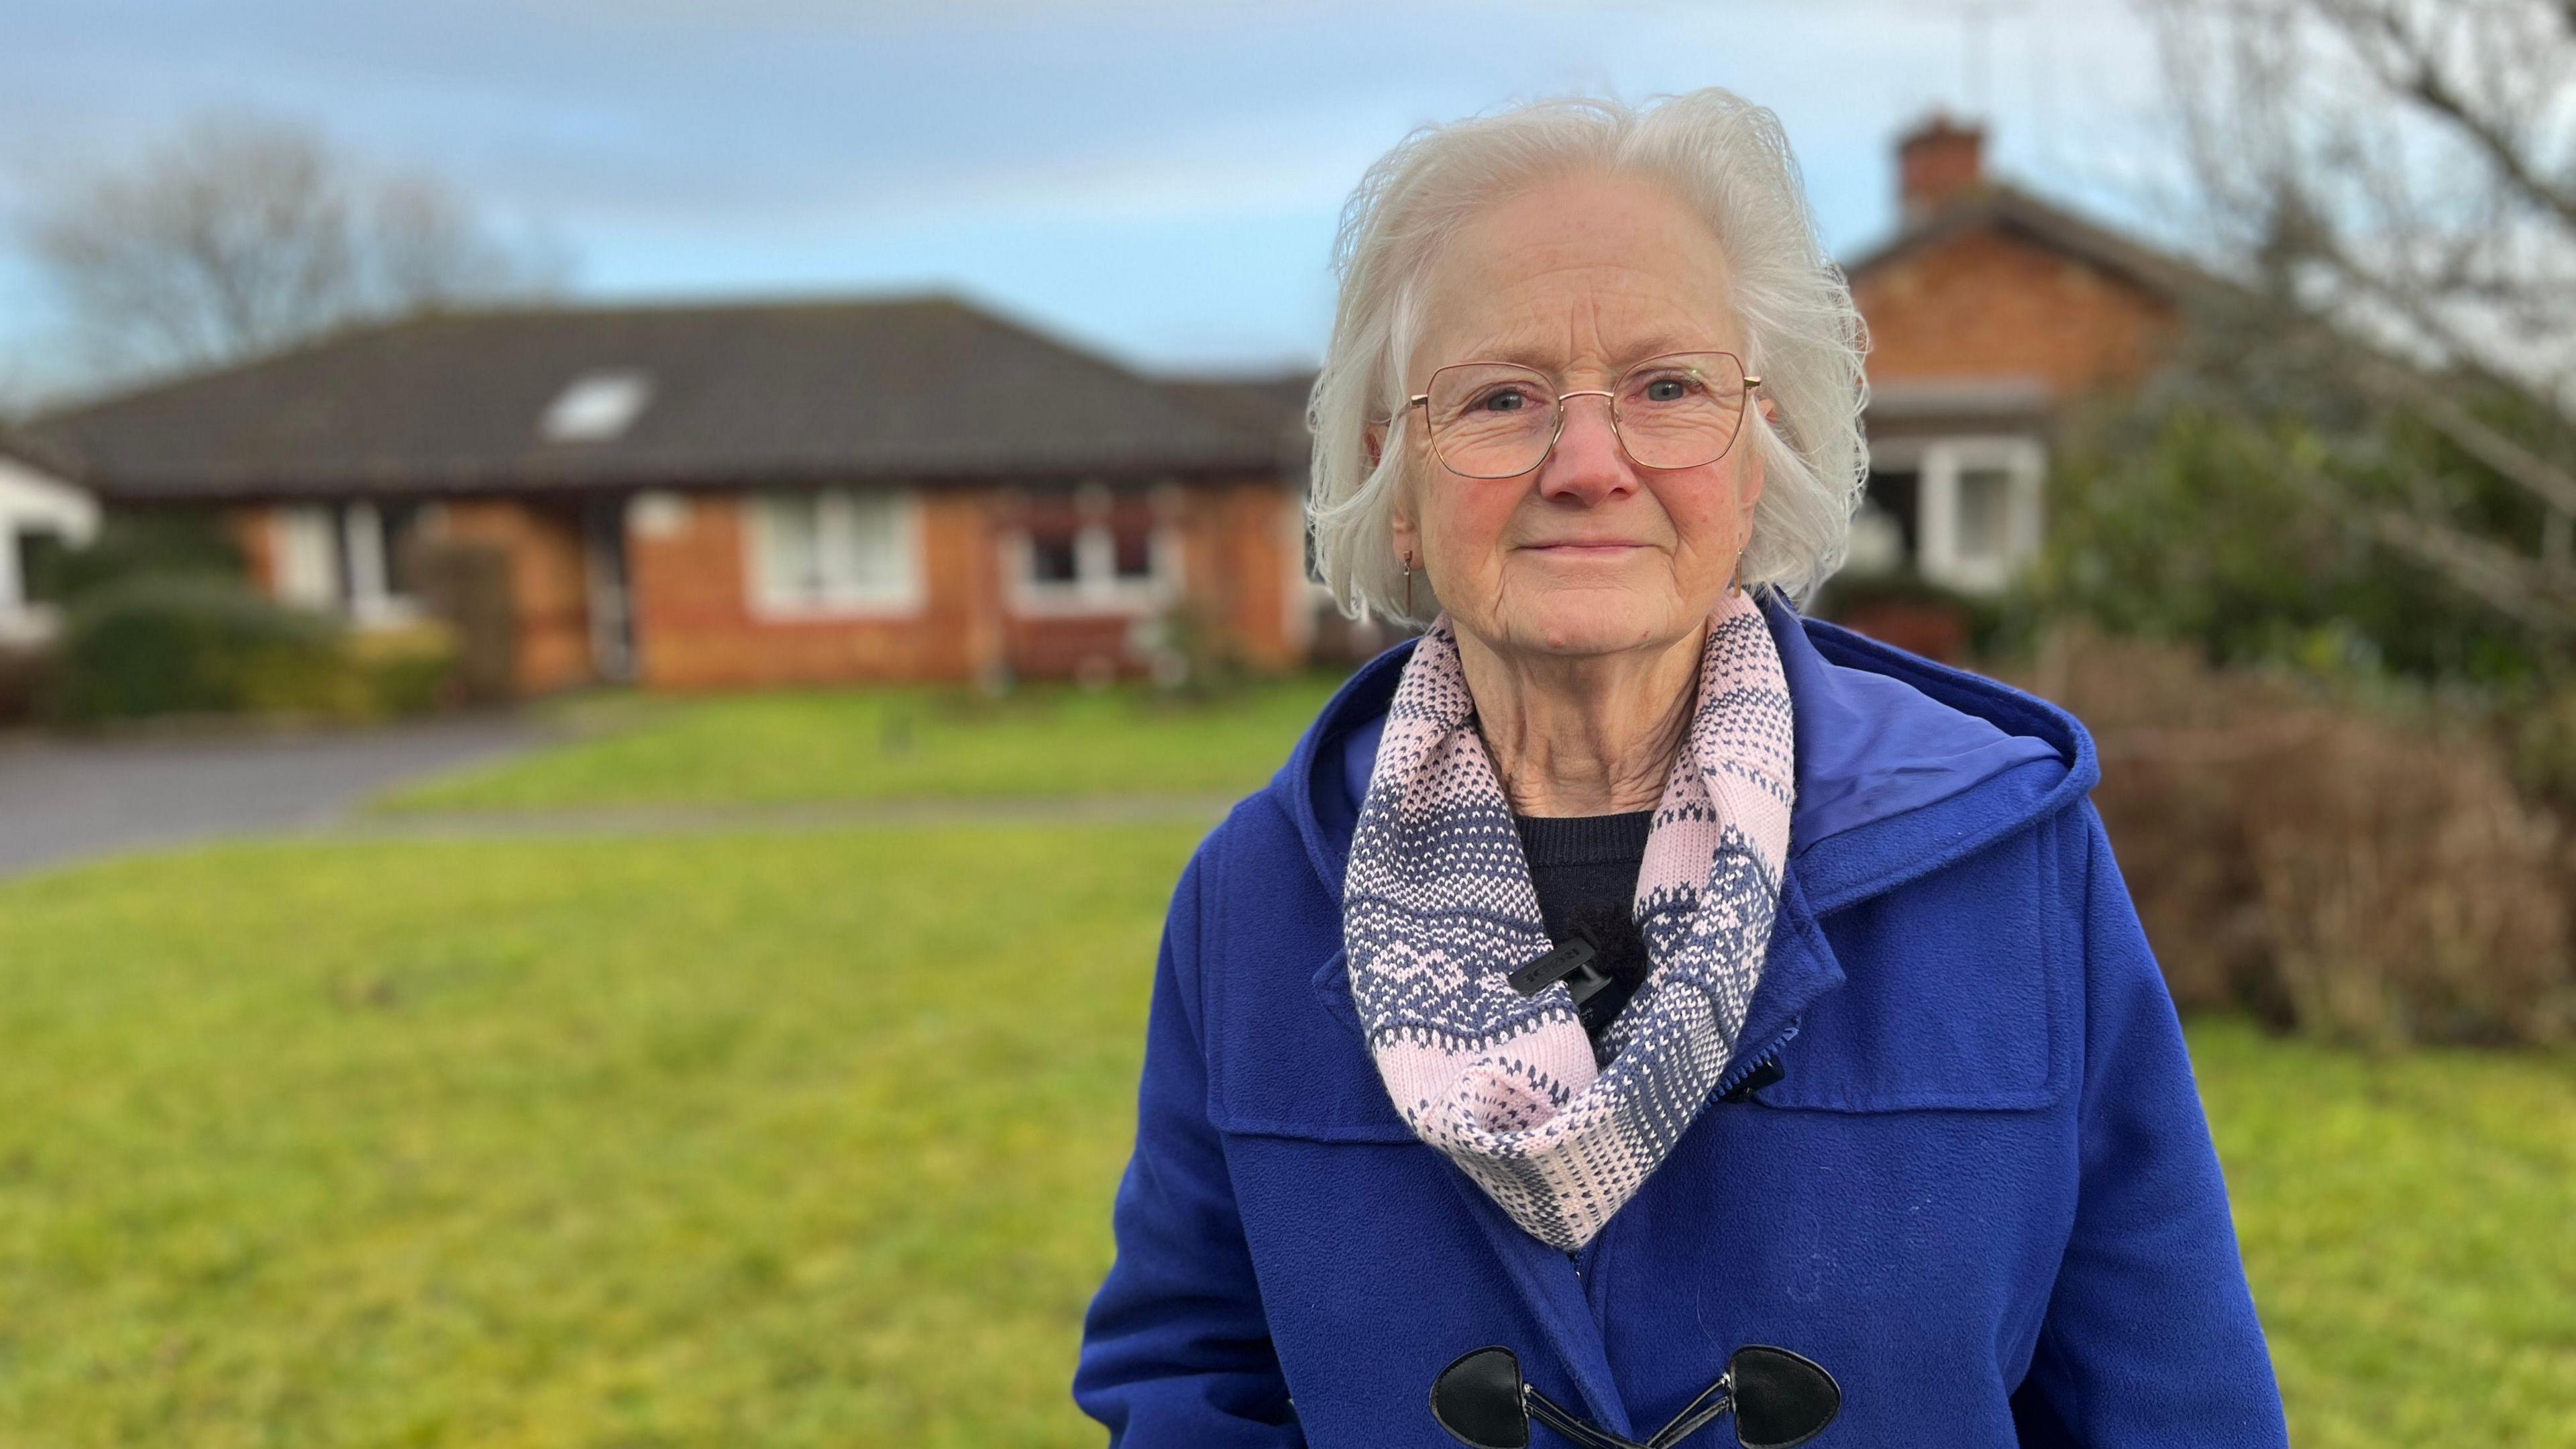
(1500, 419)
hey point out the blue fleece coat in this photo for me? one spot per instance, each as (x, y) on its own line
(1981, 1191)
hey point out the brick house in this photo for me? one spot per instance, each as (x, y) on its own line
(713, 496)
(1993, 317)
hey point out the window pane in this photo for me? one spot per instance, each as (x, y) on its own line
(1899, 494)
(1985, 513)
(40, 562)
(400, 521)
(791, 559)
(308, 556)
(868, 556)
(1053, 556)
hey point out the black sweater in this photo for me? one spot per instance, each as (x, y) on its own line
(1585, 869)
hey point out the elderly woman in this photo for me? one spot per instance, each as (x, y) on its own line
(1629, 970)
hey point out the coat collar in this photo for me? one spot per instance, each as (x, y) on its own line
(1903, 765)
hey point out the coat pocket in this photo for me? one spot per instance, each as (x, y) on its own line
(1957, 995)
(1297, 1065)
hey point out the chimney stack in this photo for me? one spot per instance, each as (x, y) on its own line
(1937, 162)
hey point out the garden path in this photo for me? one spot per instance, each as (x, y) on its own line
(63, 800)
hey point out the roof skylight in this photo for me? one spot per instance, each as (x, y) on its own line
(596, 407)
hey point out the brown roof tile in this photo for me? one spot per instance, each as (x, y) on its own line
(1274, 404)
(2008, 208)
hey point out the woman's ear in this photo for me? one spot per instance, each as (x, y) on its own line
(1375, 436)
(1408, 543)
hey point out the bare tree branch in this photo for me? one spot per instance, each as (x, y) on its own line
(2551, 485)
(2527, 592)
(242, 235)
(2408, 68)
(2394, 184)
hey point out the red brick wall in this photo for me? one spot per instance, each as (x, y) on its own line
(252, 531)
(696, 628)
(548, 584)
(1242, 553)
(548, 590)
(1988, 303)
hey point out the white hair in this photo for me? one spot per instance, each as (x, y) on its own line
(1719, 154)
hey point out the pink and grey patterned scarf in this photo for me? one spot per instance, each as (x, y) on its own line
(1438, 910)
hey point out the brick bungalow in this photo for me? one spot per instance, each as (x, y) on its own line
(698, 497)
(711, 496)
(1994, 316)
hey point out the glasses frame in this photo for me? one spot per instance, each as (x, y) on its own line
(1556, 428)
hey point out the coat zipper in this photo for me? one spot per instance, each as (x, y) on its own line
(1754, 1062)
(1770, 1053)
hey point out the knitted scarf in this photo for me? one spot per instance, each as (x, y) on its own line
(1438, 909)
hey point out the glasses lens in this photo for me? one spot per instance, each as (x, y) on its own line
(1489, 420)
(1681, 411)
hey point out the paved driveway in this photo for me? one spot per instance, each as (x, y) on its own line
(63, 800)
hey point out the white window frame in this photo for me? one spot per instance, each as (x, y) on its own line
(35, 502)
(372, 601)
(1095, 587)
(2024, 463)
(310, 541)
(836, 513)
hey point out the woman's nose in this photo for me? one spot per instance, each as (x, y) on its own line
(1587, 464)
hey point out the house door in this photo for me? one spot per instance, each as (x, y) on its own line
(612, 617)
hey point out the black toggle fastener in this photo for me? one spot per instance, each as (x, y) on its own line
(1779, 1399)
(1572, 958)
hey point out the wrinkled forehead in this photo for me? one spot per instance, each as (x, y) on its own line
(1576, 274)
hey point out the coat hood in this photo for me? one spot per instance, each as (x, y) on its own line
(1903, 765)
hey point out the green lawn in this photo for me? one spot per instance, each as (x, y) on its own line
(895, 743)
(777, 1140)
(2409, 1228)
(809, 1139)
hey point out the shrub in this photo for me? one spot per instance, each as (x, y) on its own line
(1190, 653)
(1911, 612)
(404, 671)
(2542, 736)
(139, 546)
(195, 644)
(183, 645)
(2168, 519)
(2333, 866)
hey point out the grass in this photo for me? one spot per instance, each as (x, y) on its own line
(2409, 1229)
(894, 743)
(809, 1139)
(723, 1140)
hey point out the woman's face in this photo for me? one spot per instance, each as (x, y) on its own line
(1589, 553)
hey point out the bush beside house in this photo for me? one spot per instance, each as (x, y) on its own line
(2353, 870)
(158, 620)
(156, 645)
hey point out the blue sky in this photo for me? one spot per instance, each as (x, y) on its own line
(1157, 179)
